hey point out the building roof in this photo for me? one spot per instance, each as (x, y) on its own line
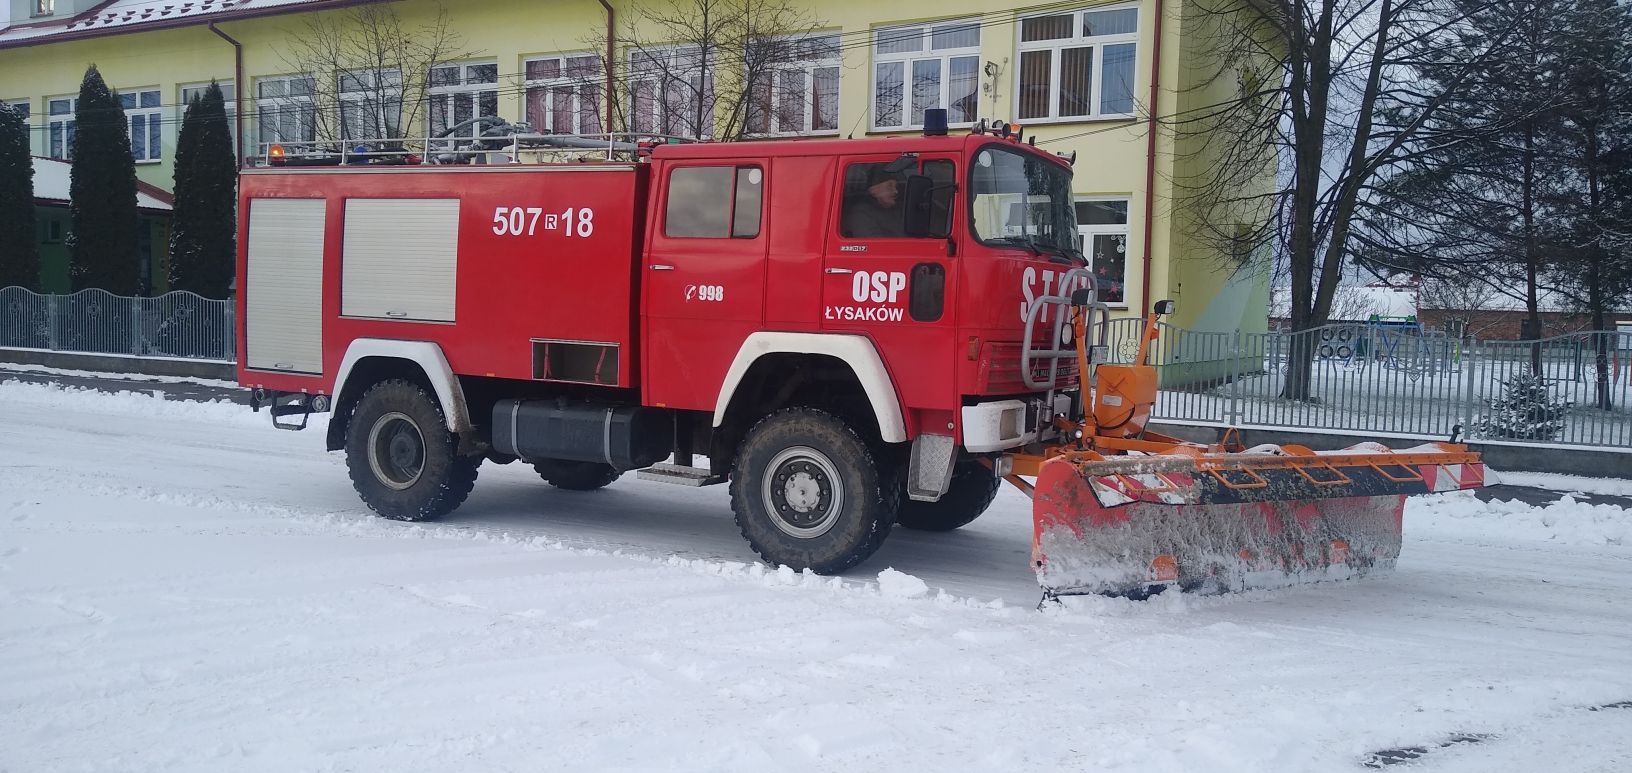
(51, 184)
(116, 17)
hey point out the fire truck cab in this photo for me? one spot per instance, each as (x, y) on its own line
(850, 331)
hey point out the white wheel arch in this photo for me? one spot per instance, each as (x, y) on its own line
(428, 356)
(853, 350)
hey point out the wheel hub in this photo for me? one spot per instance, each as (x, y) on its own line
(396, 450)
(802, 492)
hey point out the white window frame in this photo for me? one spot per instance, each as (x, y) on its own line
(660, 123)
(304, 107)
(1089, 231)
(926, 51)
(63, 122)
(229, 96)
(806, 67)
(569, 87)
(449, 95)
(1077, 40)
(44, 7)
(377, 88)
(151, 118)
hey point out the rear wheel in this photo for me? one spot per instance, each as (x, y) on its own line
(576, 476)
(972, 491)
(808, 492)
(402, 459)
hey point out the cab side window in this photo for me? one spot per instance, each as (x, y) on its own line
(873, 205)
(714, 202)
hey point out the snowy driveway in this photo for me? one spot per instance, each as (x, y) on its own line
(183, 588)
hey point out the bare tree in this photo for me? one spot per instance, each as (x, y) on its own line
(367, 71)
(723, 69)
(1325, 101)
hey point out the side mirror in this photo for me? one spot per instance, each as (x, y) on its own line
(919, 201)
(1163, 308)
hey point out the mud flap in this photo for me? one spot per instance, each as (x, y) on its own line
(1128, 526)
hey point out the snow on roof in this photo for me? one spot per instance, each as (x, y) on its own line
(130, 15)
(1354, 303)
(51, 180)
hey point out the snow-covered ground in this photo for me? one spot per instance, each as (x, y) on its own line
(183, 588)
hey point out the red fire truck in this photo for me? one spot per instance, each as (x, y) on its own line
(836, 325)
(856, 334)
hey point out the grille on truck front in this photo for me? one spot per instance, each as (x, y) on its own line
(1000, 370)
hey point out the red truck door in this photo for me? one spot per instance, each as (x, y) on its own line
(705, 276)
(890, 287)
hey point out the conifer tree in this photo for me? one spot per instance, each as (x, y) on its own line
(19, 254)
(203, 233)
(103, 249)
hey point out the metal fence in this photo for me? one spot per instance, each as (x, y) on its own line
(1362, 377)
(178, 324)
(1396, 379)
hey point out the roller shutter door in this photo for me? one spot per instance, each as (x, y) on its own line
(400, 259)
(284, 301)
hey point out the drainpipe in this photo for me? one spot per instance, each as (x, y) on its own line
(1150, 155)
(238, 92)
(611, 53)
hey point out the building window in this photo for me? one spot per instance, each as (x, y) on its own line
(23, 107)
(460, 92)
(229, 97)
(925, 66)
(59, 126)
(284, 111)
(1102, 233)
(45, 7)
(143, 114)
(370, 104)
(671, 93)
(1078, 65)
(797, 90)
(564, 94)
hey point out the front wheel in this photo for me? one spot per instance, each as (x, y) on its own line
(808, 493)
(402, 459)
(972, 491)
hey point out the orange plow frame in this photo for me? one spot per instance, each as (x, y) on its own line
(1120, 510)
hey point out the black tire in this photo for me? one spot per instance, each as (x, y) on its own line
(972, 491)
(403, 460)
(834, 506)
(576, 476)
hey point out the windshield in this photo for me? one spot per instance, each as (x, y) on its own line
(1019, 199)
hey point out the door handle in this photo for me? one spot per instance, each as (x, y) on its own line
(841, 271)
(662, 267)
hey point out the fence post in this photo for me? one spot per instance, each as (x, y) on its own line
(1235, 377)
(135, 325)
(1470, 361)
(231, 333)
(52, 334)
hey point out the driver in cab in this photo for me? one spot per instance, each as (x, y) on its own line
(876, 210)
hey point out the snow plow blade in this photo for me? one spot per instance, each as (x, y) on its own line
(1269, 516)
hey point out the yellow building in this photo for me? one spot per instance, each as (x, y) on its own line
(1078, 76)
